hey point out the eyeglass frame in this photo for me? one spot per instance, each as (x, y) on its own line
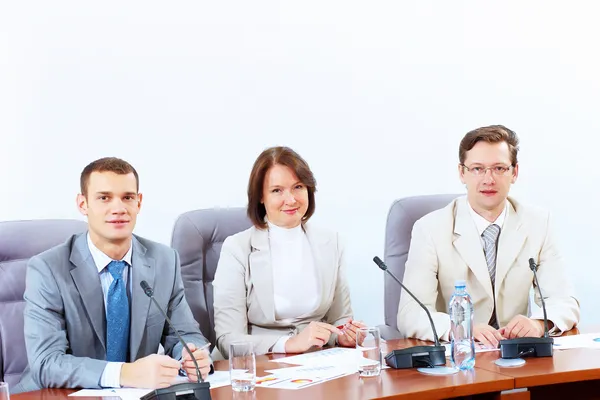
(485, 169)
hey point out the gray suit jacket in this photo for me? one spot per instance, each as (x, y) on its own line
(65, 321)
(243, 290)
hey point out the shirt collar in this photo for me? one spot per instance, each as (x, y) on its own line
(482, 223)
(102, 260)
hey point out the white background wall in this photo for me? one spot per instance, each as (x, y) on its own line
(375, 95)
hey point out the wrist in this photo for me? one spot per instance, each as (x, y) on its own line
(124, 380)
(290, 344)
(540, 323)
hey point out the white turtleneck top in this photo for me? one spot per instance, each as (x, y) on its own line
(296, 286)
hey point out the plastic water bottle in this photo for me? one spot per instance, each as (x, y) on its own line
(462, 344)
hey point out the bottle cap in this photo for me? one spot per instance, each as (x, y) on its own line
(460, 283)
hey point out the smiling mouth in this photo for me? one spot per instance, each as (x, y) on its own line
(290, 211)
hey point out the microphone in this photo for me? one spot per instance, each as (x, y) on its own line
(416, 356)
(530, 346)
(534, 268)
(200, 389)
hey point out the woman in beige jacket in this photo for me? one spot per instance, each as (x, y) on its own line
(281, 284)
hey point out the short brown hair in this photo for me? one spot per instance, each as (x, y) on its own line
(490, 134)
(107, 164)
(268, 158)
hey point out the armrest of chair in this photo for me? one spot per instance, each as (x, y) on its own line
(389, 333)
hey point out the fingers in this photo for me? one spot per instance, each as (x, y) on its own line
(483, 338)
(351, 335)
(508, 331)
(328, 327)
(323, 335)
(492, 338)
(497, 335)
(202, 363)
(518, 331)
(168, 362)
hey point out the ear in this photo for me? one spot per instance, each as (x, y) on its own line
(82, 204)
(515, 174)
(461, 173)
(139, 202)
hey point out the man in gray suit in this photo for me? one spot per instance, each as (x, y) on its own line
(88, 323)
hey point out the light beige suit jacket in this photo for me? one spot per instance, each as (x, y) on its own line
(243, 290)
(446, 246)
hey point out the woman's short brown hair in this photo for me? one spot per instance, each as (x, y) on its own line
(490, 134)
(268, 158)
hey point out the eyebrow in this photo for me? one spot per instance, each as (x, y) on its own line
(279, 186)
(111, 193)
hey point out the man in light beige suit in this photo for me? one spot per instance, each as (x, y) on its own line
(487, 238)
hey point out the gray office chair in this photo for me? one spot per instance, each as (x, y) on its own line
(198, 237)
(398, 230)
(19, 241)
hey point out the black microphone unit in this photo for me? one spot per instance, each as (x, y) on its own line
(416, 356)
(190, 390)
(530, 346)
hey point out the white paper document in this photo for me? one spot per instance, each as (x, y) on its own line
(584, 341)
(329, 357)
(217, 379)
(302, 376)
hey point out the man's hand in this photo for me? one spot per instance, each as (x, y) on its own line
(202, 358)
(487, 335)
(315, 334)
(151, 372)
(521, 326)
(348, 339)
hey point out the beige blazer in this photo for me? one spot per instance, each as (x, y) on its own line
(446, 246)
(243, 290)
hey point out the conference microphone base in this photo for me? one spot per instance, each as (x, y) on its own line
(181, 391)
(417, 357)
(526, 347)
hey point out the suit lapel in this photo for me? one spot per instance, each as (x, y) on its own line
(261, 271)
(510, 244)
(468, 244)
(142, 269)
(325, 262)
(85, 275)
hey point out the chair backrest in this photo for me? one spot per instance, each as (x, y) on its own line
(19, 241)
(398, 231)
(198, 237)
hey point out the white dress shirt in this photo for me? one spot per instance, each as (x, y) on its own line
(482, 223)
(111, 376)
(296, 285)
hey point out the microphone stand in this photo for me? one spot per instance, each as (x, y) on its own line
(416, 356)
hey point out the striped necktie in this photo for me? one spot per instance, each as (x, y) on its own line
(490, 240)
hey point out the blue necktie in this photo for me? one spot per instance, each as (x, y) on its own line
(117, 315)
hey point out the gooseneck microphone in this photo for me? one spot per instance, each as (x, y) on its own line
(416, 356)
(530, 346)
(200, 389)
(534, 268)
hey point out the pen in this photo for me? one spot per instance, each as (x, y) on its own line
(181, 370)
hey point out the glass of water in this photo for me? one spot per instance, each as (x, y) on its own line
(369, 358)
(242, 366)
(4, 395)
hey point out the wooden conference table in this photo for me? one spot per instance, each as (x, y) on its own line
(574, 373)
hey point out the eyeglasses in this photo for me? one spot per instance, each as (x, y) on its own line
(498, 170)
